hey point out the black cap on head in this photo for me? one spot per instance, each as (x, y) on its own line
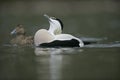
(54, 19)
(60, 23)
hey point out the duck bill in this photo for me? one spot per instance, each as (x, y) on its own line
(13, 32)
(45, 15)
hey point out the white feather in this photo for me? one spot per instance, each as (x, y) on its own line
(54, 33)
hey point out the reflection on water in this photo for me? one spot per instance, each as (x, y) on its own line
(55, 67)
(54, 59)
(62, 63)
(52, 67)
(49, 51)
(90, 62)
(51, 63)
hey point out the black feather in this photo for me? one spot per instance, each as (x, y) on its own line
(58, 43)
(60, 23)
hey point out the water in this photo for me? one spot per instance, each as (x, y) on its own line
(91, 20)
(96, 61)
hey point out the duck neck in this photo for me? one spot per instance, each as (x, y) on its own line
(51, 29)
(54, 30)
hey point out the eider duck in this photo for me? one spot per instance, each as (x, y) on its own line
(20, 36)
(53, 37)
(59, 28)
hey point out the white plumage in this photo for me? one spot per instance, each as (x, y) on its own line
(55, 34)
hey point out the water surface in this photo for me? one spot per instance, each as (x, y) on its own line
(97, 20)
(98, 62)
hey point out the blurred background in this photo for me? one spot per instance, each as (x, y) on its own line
(88, 18)
(82, 18)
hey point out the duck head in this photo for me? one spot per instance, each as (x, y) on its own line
(19, 30)
(56, 25)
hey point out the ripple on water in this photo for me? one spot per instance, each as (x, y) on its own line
(109, 45)
(48, 51)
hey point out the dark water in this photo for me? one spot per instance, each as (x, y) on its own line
(60, 63)
(92, 20)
